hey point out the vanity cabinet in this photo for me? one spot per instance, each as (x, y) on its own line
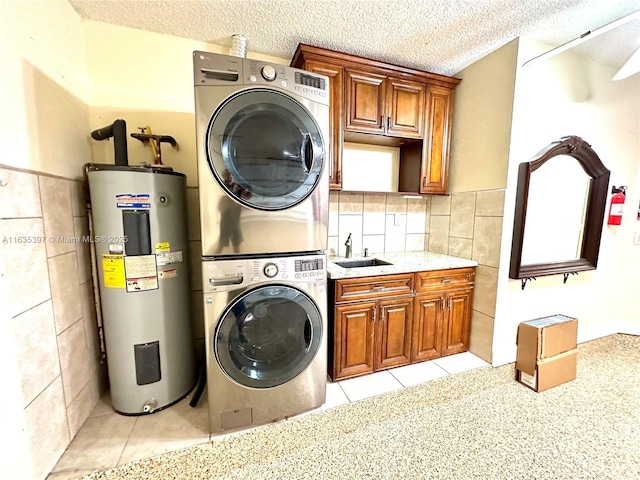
(383, 105)
(379, 103)
(392, 320)
(371, 320)
(443, 306)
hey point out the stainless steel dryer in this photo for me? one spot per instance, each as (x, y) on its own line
(265, 334)
(262, 134)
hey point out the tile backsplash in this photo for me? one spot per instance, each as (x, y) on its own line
(466, 224)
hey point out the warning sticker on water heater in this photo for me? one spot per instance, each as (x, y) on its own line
(162, 247)
(171, 273)
(141, 273)
(113, 271)
(133, 200)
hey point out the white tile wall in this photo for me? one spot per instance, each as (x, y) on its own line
(35, 337)
(52, 311)
(65, 290)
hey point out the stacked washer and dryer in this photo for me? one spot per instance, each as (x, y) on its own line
(262, 133)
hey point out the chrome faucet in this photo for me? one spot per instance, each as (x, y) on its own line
(348, 245)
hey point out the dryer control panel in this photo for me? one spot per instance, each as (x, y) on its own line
(214, 69)
(230, 274)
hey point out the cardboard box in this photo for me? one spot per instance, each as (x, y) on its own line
(547, 352)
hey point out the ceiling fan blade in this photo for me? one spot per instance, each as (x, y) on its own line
(630, 67)
(583, 38)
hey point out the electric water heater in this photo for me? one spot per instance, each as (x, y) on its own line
(139, 231)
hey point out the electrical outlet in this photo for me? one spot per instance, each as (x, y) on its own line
(396, 219)
(636, 238)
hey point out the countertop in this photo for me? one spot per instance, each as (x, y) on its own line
(402, 262)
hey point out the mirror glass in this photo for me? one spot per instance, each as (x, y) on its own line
(556, 211)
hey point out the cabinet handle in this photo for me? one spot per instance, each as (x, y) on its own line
(389, 123)
(382, 316)
(382, 121)
(446, 280)
(449, 303)
(442, 303)
(375, 311)
(377, 288)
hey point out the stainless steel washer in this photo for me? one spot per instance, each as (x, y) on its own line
(265, 333)
(262, 134)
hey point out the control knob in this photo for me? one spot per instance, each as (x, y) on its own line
(268, 73)
(270, 270)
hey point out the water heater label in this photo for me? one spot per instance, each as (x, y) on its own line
(113, 271)
(133, 200)
(141, 272)
(168, 258)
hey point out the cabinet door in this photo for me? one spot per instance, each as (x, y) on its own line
(364, 102)
(393, 333)
(354, 339)
(405, 108)
(435, 161)
(336, 89)
(427, 327)
(457, 325)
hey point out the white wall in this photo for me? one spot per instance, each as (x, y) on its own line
(571, 95)
(44, 121)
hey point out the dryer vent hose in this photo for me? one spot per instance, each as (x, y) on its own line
(238, 46)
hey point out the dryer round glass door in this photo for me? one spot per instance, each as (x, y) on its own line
(265, 149)
(268, 336)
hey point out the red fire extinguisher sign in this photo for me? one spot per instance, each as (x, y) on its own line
(617, 205)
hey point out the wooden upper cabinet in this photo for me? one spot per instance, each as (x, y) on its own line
(383, 105)
(336, 82)
(405, 108)
(364, 102)
(435, 163)
(378, 103)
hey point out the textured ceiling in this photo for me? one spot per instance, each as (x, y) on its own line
(441, 36)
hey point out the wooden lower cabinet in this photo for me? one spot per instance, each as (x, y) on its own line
(441, 324)
(372, 334)
(457, 322)
(427, 328)
(393, 333)
(354, 340)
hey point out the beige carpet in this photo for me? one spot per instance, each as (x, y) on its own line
(480, 424)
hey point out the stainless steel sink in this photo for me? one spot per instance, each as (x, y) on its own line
(370, 262)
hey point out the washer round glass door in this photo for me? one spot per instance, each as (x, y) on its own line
(268, 336)
(265, 149)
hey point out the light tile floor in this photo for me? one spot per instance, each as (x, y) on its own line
(108, 439)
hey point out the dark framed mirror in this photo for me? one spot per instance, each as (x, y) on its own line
(559, 214)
